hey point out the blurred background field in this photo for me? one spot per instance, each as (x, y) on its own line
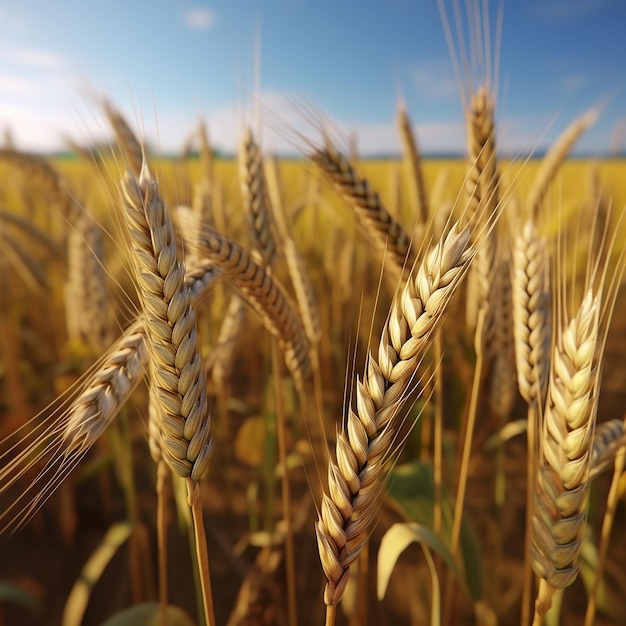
(115, 484)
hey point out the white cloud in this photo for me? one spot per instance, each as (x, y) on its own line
(41, 110)
(33, 58)
(288, 123)
(38, 128)
(13, 85)
(286, 120)
(199, 18)
(40, 120)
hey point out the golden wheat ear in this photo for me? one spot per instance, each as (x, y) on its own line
(133, 150)
(412, 162)
(569, 449)
(171, 329)
(178, 384)
(365, 444)
(387, 234)
(256, 199)
(554, 158)
(560, 508)
(482, 196)
(609, 438)
(42, 173)
(53, 443)
(266, 296)
(531, 313)
(86, 293)
(298, 273)
(56, 444)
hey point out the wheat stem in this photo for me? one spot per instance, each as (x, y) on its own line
(195, 502)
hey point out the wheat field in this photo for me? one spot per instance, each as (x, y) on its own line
(317, 390)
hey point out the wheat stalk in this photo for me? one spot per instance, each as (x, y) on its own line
(171, 330)
(256, 199)
(554, 158)
(267, 298)
(386, 233)
(131, 147)
(413, 165)
(531, 313)
(364, 446)
(302, 285)
(42, 174)
(563, 481)
(86, 289)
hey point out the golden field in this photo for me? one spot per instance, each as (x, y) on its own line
(105, 511)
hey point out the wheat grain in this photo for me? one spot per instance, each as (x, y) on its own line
(266, 296)
(364, 445)
(133, 150)
(386, 233)
(608, 438)
(256, 199)
(531, 313)
(563, 481)
(86, 289)
(171, 330)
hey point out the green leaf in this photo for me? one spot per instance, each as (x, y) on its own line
(14, 594)
(412, 488)
(395, 541)
(149, 614)
(507, 432)
(92, 571)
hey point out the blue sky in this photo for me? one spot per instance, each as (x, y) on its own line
(167, 63)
